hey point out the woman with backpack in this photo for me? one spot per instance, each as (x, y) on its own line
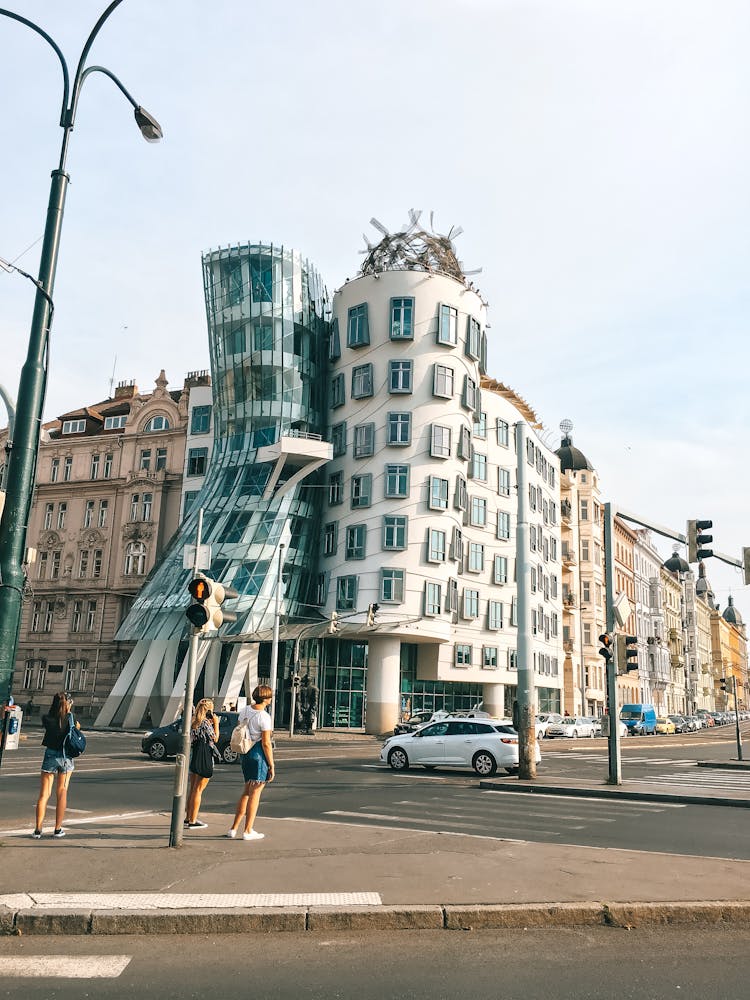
(57, 767)
(257, 763)
(204, 732)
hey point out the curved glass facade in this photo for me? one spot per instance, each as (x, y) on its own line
(268, 330)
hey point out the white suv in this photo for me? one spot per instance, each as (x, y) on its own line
(484, 744)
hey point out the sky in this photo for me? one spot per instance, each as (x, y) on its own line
(595, 152)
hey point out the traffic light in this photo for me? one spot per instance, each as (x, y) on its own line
(627, 653)
(746, 566)
(333, 624)
(371, 612)
(723, 684)
(695, 540)
(219, 594)
(205, 612)
(606, 650)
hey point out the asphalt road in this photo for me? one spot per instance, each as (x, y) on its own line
(343, 782)
(585, 964)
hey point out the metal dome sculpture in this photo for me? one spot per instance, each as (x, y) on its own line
(414, 249)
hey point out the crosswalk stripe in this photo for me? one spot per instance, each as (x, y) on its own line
(62, 967)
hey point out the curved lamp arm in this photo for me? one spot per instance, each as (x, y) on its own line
(60, 56)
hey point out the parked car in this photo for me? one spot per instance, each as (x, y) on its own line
(166, 741)
(604, 726)
(665, 726)
(571, 726)
(484, 744)
(597, 724)
(414, 721)
(680, 723)
(543, 720)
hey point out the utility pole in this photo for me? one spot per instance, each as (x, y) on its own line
(525, 689)
(613, 741)
(276, 623)
(737, 718)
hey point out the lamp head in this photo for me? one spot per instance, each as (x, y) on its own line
(149, 126)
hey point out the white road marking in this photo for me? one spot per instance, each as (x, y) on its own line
(185, 901)
(63, 967)
(27, 830)
(431, 822)
(591, 798)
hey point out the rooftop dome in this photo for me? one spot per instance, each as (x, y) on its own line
(571, 459)
(703, 586)
(676, 564)
(731, 614)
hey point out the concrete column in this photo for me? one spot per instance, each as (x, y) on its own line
(493, 699)
(383, 684)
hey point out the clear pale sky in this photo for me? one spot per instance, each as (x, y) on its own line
(596, 152)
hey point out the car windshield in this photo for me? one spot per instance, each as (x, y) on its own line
(629, 715)
(503, 728)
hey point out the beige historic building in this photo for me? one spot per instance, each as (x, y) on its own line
(671, 593)
(628, 686)
(107, 500)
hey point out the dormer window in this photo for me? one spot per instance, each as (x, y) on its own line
(73, 426)
(156, 424)
(115, 423)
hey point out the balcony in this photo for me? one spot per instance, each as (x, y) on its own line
(570, 600)
(569, 646)
(566, 511)
(568, 556)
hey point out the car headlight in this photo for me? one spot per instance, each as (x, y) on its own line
(146, 735)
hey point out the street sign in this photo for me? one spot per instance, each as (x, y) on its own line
(188, 557)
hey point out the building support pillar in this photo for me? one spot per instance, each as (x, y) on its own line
(493, 700)
(383, 684)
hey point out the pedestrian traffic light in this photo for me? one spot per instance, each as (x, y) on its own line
(695, 539)
(723, 684)
(198, 612)
(371, 613)
(333, 624)
(606, 649)
(627, 653)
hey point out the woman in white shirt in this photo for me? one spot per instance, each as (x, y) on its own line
(257, 763)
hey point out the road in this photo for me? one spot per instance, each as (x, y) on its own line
(588, 964)
(342, 782)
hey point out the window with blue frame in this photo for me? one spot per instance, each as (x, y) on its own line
(398, 429)
(392, 586)
(358, 330)
(397, 480)
(362, 490)
(395, 528)
(364, 440)
(356, 541)
(338, 391)
(447, 326)
(200, 420)
(473, 339)
(402, 319)
(399, 376)
(361, 381)
(338, 438)
(346, 593)
(438, 497)
(335, 488)
(334, 342)
(330, 538)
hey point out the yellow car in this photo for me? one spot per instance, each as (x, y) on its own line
(665, 727)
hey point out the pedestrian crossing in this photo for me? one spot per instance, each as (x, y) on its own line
(627, 759)
(701, 779)
(62, 967)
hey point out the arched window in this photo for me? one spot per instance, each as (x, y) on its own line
(158, 423)
(135, 559)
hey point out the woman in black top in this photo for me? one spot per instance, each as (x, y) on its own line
(56, 765)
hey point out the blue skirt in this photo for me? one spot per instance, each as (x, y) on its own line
(254, 764)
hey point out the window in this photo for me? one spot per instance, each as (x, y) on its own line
(145, 463)
(457, 546)
(585, 550)
(514, 611)
(361, 381)
(40, 678)
(471, 603)
(73, 426)
(42, 616)
(334, 342)
(135, 559)
(503, 525)
(392, 586)
(399, 376)
(200, 420)
(48, 511)
(438, 499)
(330, 538)
(338, 391)
(470, 396)
(584, 510)
(135, 503)
(478, 512)
(115, 423)
(464, 443)
(447, 326)
(90, 616)
(41, 567)
(335, 488)
(502, 433)
(67, 469)
(494, 615)
(102, 519)
(442, 381)
(356, 541)
(451, 596)
(364, 440)
(473, 338)
(512, 659)
(394, 531)
(62, 510)
(503, 482)
(338, 439)
(75, 618)
(148, 499)
(358, 331)
(88, 513)
(398, 429)
(161, 459)
(396, 480)
(460, 495)
(55, 571)
(55, 470)
(432, 599)
(436, 540)
(402, 319)
(480, 426)
(96, 569)
(479, 467)
(462, 655)
(197, 459)
(107, 466)
(440, 441)
(489, 658)
(476, 557)
(346, 593)
(28, 673)
(361, 491)
(157, 423)
(586, 591)
(94, 474)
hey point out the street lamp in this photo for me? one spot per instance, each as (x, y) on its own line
(31, 390)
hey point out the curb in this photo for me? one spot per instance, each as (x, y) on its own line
(375, 918)
(613, 793)
(729, 765)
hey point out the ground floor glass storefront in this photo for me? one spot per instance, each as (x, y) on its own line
(342, 698)
(418, 695)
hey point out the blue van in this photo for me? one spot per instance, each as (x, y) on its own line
(640, 719)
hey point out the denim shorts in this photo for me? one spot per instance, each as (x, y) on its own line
(56, 763)
(254, 764)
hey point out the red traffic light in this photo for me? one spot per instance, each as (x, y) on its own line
(199, 588)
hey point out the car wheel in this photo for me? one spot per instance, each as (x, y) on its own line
(484, 764)
(228, 755)
(157, 750)
(397, 759)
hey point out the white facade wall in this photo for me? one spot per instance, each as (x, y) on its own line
(653, 651)
(434, 585)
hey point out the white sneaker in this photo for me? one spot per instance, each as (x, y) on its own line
(231, 834)
(253, 835)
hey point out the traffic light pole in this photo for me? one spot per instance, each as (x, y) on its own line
(613, 741)
(737, 718)
(525, 681)
(183, 757)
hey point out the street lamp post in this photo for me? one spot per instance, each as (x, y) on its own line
(22, 459)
